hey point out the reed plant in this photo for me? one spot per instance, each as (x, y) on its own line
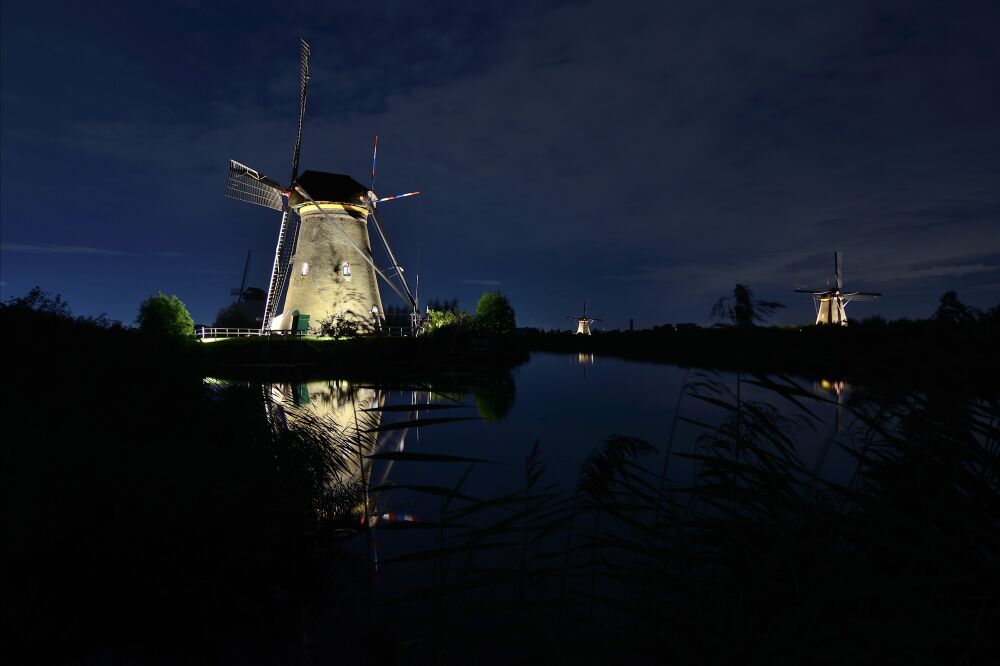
(756, 558)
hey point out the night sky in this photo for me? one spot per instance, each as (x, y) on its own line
(641, 156)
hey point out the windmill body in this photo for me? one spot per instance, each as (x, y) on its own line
(583, 323)
(831, 303)
(830, 309)
(327, 276)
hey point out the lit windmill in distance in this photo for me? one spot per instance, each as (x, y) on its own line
(324, 228)
(831, 302)
(583, 323)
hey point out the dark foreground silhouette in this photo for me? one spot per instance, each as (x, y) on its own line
(151, 518)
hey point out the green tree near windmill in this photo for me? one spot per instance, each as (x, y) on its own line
(494, 314)
(165, 317)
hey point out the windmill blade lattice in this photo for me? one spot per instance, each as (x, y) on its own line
(303, 92)
(283, 252)
(862, 296)
(250, 186)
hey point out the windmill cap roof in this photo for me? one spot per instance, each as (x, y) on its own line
(323, 186)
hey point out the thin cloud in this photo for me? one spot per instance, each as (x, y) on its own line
(484, 283)
(947, 271)
(61, 249)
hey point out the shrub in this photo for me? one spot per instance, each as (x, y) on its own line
(494, 314)
(338, 326)
(440, 319)
(164, 316)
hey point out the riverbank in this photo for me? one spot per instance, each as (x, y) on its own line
(909, 354)
(916, 354)
(913, 354)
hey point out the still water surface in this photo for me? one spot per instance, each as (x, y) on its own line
(568, 404)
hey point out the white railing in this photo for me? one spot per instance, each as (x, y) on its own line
(213, 333)
(216, 333)
(398, 331)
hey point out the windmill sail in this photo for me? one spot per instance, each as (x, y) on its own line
(279, 271)
(248, 185)
(303, 90)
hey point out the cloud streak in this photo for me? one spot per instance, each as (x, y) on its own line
(484, 283)
(27, 248)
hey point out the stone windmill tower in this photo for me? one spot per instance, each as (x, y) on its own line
(831, 302)
(583, 323)
(323, 264)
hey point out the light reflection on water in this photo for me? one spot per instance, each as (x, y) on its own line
(569, 403)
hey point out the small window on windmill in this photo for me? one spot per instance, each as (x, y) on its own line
(305, 268)
(346, 269)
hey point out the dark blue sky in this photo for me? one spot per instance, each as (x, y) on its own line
(642, 156)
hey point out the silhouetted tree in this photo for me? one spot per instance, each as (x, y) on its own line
(443, 305)
(991, 316)
(164, 316)
(953, 311)
(741, 309)
(234, 316)
(40, 300)
(396, 315)
(494, 313)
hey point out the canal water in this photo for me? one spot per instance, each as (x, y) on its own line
(566, 405)
(433, 454)
(474, 439)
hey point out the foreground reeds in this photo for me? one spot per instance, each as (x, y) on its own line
(756, 559)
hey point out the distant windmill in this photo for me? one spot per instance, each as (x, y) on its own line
(831, 302)
(583, 323)
(238, 291)
(324, 231)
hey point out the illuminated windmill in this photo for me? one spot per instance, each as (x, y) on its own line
(583, 323)
(831, 302)
(323, 263)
